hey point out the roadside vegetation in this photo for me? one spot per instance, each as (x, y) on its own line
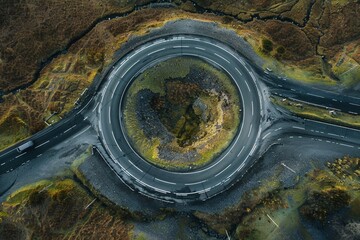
(274, 212)
(317, 113)
(311, 54)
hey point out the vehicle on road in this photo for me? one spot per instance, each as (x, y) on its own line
(25, 146)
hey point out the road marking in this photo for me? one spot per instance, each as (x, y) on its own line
(85, 118)
(117, 144)
(240, 151)
(223, 170)
(200, 48)
(159, 50)
(69, 129)
(296, 127)
(278, 129)
(353, 113)
(222, 57)
(21, 155)
(252, 108)
(95, 107)
(266, 135)
(355, 104)
(338, 126)
(194, 183)
(346, 145)
(81, 132)
(136, 166)
(130, 68)
(160, 180)
(3, 164)
(38, 156)
(247, 85)
(109, 115)
(238, 71)
(250, 130)
(42, 144)
(288, 167)
(314, 95)
(333, 134)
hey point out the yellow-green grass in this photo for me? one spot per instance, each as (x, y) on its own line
(176, 68)
(317, 113)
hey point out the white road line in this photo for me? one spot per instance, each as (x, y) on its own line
(200, 48)
(266, 135)
(355, 104)
(117, 144)
(296, 127)
(81, 132)
(160, 180)
(20, 155)
(353, 113)
(85, 118)
(69, 129)
(222, 57)
(136, 166)
(252, 108)
(314, 95)
(3, 164)
(223, 170)
(346, 145)
(109, 115)
(288, 167)
(238, 71)
(95, 107)
(250, 130)
(240, 151)
(247, 85)
(38, 156)
(278, 129)
(194, 183)
(180, 46)
(159, 50)
(42, 144)
(130, 68)
(338, 126)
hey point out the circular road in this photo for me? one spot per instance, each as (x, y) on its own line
(199, 184)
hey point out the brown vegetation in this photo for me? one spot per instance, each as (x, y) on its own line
(300, 32)
(59, 213)
(316, 197)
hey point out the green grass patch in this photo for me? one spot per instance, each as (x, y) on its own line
(317, 113)
(155, 79)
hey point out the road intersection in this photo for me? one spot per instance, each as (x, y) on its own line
(103, 113)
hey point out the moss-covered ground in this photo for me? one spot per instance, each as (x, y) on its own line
(317, 113)
(207, 131)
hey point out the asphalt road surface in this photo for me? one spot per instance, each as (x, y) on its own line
(211, 178)
(216, 177)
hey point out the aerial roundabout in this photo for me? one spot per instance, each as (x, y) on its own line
(180, 116)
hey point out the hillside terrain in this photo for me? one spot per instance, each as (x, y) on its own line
(52, 50)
